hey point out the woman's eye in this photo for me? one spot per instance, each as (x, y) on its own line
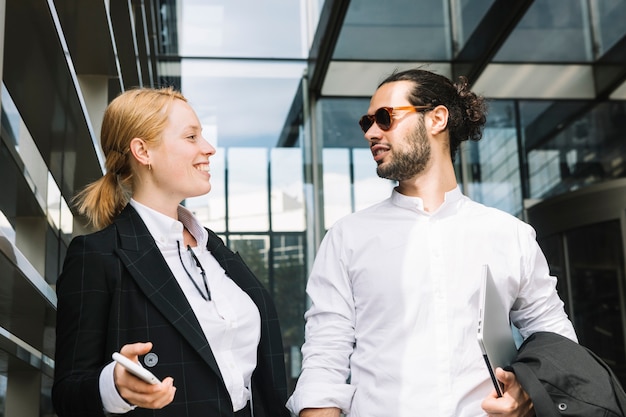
(192, 137)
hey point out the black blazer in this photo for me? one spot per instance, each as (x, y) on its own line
(116, 288)
(564, 378)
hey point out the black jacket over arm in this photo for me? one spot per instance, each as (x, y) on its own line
(116, 288)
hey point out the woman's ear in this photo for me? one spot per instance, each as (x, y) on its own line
(140, 152)
(439, 117)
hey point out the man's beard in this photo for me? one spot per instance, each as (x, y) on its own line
(407, 164)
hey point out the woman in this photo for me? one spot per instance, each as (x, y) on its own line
(158, 287)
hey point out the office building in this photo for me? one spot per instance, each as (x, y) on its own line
(279, 86)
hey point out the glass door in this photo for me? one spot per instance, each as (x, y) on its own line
(582, 235)
(595, 257)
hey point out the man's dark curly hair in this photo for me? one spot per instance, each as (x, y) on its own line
(466, 110)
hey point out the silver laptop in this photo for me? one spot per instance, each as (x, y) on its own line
(495, 336)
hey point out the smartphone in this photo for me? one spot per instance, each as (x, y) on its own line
(135, 369)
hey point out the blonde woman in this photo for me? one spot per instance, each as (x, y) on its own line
(159, 288)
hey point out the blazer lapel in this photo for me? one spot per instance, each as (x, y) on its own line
(147, 267)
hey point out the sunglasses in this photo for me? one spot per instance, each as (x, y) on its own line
(383, 117)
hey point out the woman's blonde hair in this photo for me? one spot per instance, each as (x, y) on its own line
(137, 113)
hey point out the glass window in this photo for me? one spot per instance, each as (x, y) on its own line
(468, 14)
(53, 204)
(404, 30)
(287, 188)
(289, 280)
(254, 250)
(224, 28)
(67, 221)
(59, 214)
(550, 31)
(493, 162)
(14, 134)
(248, 201)
(11, 119)
(281, 269)
(340, 122)
(596, 256)
(608, 19)
(313, 10)
(543, 171)
(588, 150)
(337, 185)
(241, 103)
(53, 255)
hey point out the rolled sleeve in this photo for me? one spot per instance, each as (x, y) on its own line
(320, 395)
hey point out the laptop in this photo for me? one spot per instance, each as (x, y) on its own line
(495, 336)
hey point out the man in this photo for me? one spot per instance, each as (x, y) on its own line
(391, 330)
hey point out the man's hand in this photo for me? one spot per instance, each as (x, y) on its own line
(134, 390)
(514, 402)
(320, 412)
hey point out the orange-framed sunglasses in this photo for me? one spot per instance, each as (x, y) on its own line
(383, 117)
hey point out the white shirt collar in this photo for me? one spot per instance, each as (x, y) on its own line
(417, 203)
(166, 230)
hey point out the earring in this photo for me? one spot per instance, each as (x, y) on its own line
(149, 166)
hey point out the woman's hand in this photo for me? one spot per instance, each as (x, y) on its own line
(514, 402)
(134, 390)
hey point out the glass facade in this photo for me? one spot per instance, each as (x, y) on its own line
(587, 151)
(279, 87)
(490, 167)
(551, 31)
(374, 30)
(597, 311)
(582, 235)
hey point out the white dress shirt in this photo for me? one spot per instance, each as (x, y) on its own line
(230, 320)
(391, 330)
